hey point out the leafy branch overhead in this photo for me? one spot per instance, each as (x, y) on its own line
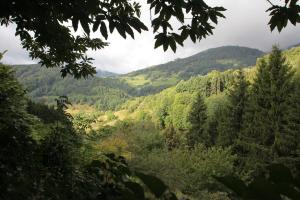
(281, 15)
(45, 27)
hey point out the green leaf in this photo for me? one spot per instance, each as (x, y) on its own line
(137, 190)
(172, 44)
(85, 25)
(159, 41)
(235, 184)
(155, 185)
(263, 189)
(96, 25)
(121, 30)
(280, 174)
(129, 30)
(75, 22)
(103, 30)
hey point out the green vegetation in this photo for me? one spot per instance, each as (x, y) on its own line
(55, 160)
(234, 127)
(44, 85)
(223, 135)
(157, 78)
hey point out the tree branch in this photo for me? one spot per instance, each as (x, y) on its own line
(270, 2)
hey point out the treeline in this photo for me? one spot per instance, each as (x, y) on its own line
(253, 112)
(169, 74)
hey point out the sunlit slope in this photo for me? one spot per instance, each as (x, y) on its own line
(156, 78)
(172, 104)
(45, 85)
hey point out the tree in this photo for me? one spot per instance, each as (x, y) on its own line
(44, 27)
(17, 149)
(232, 116)
(197, 119)
(265, 133)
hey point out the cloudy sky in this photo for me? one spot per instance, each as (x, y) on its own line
(245, 25)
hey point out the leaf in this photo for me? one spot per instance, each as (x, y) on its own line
(155, 185)
(214, 18)
(235, 184)
(193, 37)
(75, 22)
(129, 30)
(121, 30)
(85, 25)
(159, 41)
(103, 30)
(137, 190)
(172, 44)
(280, 174)
(263, 189)
(111, 26)
(96, 25)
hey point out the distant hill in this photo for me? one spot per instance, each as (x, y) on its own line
(103, 73)
(162, 76)
(108, 93)
(173, 103)
(45, 85)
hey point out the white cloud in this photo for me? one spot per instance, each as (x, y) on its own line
(245, 25)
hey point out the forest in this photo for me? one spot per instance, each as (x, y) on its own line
(222, 124)
(204, 138)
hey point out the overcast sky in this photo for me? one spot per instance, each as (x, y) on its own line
(245, 25)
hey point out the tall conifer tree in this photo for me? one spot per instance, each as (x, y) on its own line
(265, 132)
(197, 119)
(231, 121)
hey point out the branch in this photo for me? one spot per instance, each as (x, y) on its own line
(270, 2)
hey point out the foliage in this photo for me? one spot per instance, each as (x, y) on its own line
(190, 172)
(230, 119)
(278, 184)
(281, 15)
(267, 113)
(49, 19)
(44, 85)
(197, 119)
(54, 166)
(159, 77)
(55, 20)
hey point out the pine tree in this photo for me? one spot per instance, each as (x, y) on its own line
(197, 119)
(265, 132)
(232, 116)
(172, 139)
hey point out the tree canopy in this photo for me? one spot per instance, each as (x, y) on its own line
(45, 27)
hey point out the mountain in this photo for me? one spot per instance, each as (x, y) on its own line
(156, 78)
(45, 85)
(103, 73)
(109, 93)
(172, 104)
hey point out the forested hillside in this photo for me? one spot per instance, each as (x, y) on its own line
(44, 85)
(156, 78)
(107, 90)
(213, 86)
(223, 124)
(237, 124)
(222, 128)
(103, 73)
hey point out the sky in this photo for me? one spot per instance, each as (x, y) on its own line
(245, 25)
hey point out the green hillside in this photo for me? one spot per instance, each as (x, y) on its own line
(103, 73)
(171, 105)
(108, 90)
(156, 78)
(45, 85)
